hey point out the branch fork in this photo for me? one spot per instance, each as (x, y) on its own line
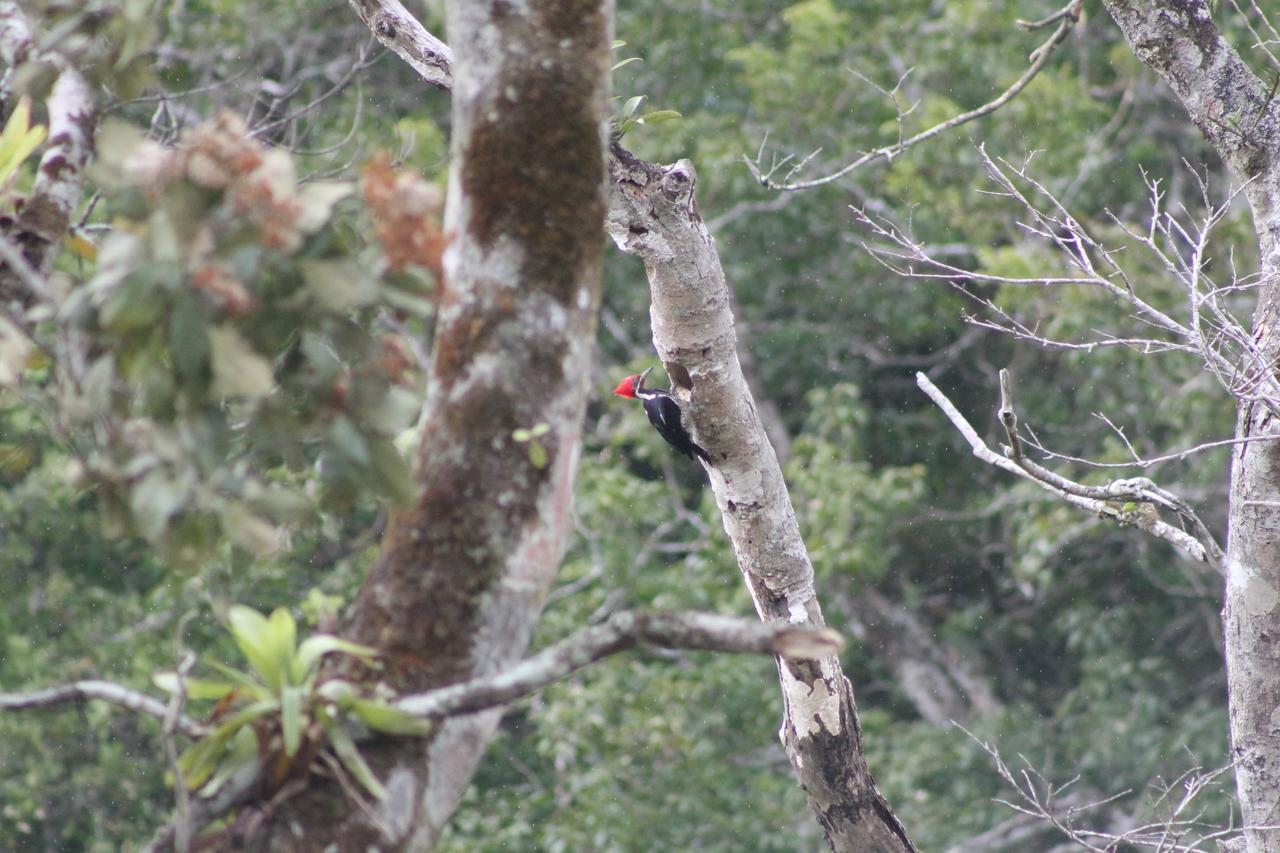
(1134, 500)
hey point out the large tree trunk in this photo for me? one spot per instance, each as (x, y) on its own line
(1241, 117)
(652, 214)
(463, 573)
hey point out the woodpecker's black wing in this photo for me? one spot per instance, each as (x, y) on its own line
(664, 414)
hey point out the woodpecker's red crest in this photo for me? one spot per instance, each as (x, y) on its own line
(627, 387)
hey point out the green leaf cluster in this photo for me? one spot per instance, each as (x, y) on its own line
(628, 116)
(1100, 647)
(18, 141)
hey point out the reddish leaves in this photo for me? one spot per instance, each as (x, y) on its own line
(405, 210)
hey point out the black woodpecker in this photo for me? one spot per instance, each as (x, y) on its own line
(664, 414)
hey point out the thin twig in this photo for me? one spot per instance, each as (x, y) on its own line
(1143, 462)
(186, 660)
(1174, 831)
(1067, 17)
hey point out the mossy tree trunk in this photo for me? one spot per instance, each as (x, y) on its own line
(462, 574)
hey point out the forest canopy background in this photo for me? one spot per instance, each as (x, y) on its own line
(965, 595)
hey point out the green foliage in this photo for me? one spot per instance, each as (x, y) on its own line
(628, 116)
(236, 346)
(848, 512)
(111, 43)
(1101, 648)
(537, 453)
(73, 605)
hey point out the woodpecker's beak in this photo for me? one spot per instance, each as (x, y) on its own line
(640, 381)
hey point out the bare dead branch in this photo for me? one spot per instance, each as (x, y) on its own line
(186, 660)
(116, 694)
(1179, 243)
(1066, 18)
(1008, 417)
(1176, 827)
(622, 632)
(399, 30)
(1110, 501)
(1143, 462)
(1261, 42)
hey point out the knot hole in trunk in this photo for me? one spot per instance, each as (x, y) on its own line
(680, 378)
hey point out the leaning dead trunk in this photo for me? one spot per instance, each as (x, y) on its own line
(653, 215)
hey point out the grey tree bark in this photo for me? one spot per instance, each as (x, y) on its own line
(1240, 116)
(653, 214)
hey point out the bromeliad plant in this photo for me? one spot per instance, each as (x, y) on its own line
(277, 718)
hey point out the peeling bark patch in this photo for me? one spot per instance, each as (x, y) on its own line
(814, 708)
(45, 218)
(1186, 52)
(56, 166)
